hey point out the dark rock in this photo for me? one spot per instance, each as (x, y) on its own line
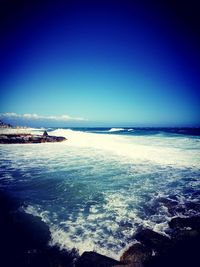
(137, 253)
(7, 205)
(184, 235)
(30, 235)
(154, 240)
(29, 138)
(171, 205)
(174, 207)
(184, 252)
(93, 259)
(53, 257)
(24, 239)
(193, 206)
(134, 264)
(36, 139)
(181, 223)
(185, 243)
(45, 134)
(186, 231)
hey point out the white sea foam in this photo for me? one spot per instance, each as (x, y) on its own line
(137, 148)
(95, 190)
(22, 130)
(15, 130)
(116, 129)
(98, 231)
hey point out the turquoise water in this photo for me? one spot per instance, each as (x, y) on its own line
(96, 189)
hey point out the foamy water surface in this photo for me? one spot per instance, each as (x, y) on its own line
(96, 190)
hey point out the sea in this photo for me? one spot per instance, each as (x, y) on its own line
(99, 187)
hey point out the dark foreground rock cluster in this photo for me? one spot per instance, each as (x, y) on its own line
(24, 239)
(180, 249)
(24, 242)
(29, 138)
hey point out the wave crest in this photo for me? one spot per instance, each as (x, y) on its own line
(116, 129)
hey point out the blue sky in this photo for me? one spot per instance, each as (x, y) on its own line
(96, 63)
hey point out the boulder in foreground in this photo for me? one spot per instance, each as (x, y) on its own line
(181, 223)
(154, 240)
(93, 259)
(136, 255)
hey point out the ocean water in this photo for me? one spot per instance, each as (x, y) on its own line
(99, 187)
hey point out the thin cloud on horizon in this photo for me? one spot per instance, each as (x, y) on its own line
(64, 117)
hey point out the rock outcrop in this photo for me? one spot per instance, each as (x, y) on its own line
(29, 138)
(153, 240)
(136, 255)
(24, 239)
(93, 259)
(182, 223)
(24, 242)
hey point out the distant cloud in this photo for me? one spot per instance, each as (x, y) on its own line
(12, 115)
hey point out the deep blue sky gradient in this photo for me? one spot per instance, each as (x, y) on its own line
(116, 63)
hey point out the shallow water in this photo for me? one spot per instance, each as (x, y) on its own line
(96, 189)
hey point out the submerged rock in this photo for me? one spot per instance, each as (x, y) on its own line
(93, 259)
(170, 204)
(174, 207)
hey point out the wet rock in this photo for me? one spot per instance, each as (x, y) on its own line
(174, 207)
(184, 252)
(186, 231)
(186, 235)
(33, 231)
(171, 205)
(93, 259)
(134, 264)
(36, 139)
(55, 257)
(193, 206)
(154, 240)
(29, 138)
(24, 239)
(45, 134)
(185, 244)
(136, 254)
(181, 223)
(4, 137)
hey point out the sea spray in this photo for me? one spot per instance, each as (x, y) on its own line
(95, 190)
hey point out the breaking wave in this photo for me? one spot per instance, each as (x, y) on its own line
(116, 129)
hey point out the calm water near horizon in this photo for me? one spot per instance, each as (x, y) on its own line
(96, 189)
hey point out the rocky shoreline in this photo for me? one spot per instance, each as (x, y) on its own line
(152, 249)
(29, 138)
(24, 239)
(24, 242)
